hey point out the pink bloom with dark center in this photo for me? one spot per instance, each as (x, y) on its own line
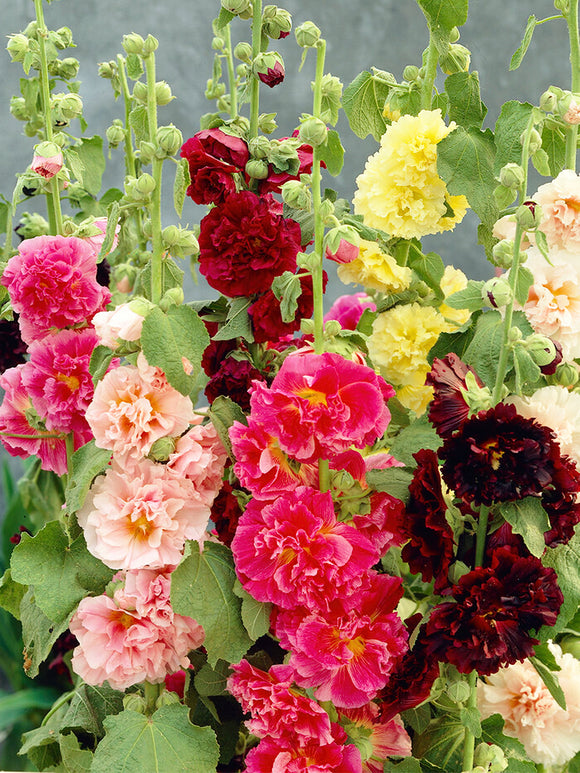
(47, 166)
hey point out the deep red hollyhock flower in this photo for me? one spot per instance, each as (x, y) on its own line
(495, 610)
(12, 347)
(213, 158)
(225, 513)
(233, 379)
(216, 351)
(276, 179)
(244, 244)
(562, 502)
(429, 550)
(499, 455)
(448, 408)
(273, 75)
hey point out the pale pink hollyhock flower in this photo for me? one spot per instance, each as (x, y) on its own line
(550, 734)
(122, 322)
(560, 203)
(387, 739)
(52, 284)
(262, 467)
(133, 407)
(16, 418)
(133, 636)
(278, 710)
(347, 653)
(320, 405)
(200, 457)
(572, 114)
(96, 241)
(140, 515)
(59, 382)
(505, 228)
(348, 309)
(47, 166)
(293, 551)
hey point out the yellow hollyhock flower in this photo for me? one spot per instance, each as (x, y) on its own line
(376, 270)
(452, 281)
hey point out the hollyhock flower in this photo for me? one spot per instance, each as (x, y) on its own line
(495, 609)
(12, 347)
(383, 525)
(449, 409)
(278, 710)
(141, 515)
(452, 281)
(348, 309)
(319, 405)
(549, 733)
(505, 228)
(215, 352)
(47, 166)
(200, 457)
(293, 551)
(266, 316)
(386, 739)
(18, 417)
(400, 191)
(132, 408)
(225, 513)
(97, 239)
(233, 379)
(560, 203)
(348, 652)
(376, 270)
(244, 244)
(213, 157)
(123, 322)
(271, 72)
(262, 467)
(430, 549)
(133, 636)
(58, 380)
(52, 284)
(561, 501)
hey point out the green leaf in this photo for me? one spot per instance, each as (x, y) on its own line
(418, 718)
(164, 742)
(238, 323)
(212, 681)
(134, 66)
(512, 121)
(167, 338)
(465, 161)
(465, 105)
(74, 759)
(520, 52)
(87, 462)
(526, 370)
(224, 18)
(41, 746)
(565, 560)
(409, 765)
(528, 518)
(42, 494)
(483, 351)
(17, 705)
(89, 707)
(471, 719)
(445, 13)
(429, 268)
(518, 760)
(223, 412)
(394, 480)
(287, 289)
(171, 276)
(469, 298)
(11, 594)
(420, 434)
(91, 156)
(202, 588)
(550, 680)
(38, 633)
(554, 143)
(363, 102)
(139, 123)
(541, 162)
(110, 232)
(332, 153)
(255, 614)
(525, 280)
(101, 359)
(442, 743)
(182, 180)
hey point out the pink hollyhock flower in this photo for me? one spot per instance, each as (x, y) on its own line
(47, 166)
(293, 551)
(348, 309)
(278, 710)
(560, 203)
(549, 733)
(200, 457)
(52, 284)
(18, 417)
(262, 467)
(132, 408)
(58, 380)
(122, 322)
(347, 653)
(386, 738)
(141, 515)
(383, 526)
(319, 405)
(96, 241)
(133, 636)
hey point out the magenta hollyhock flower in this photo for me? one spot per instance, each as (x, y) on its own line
(321, 404)
(387, 738)
(384, 524)
(348, 309)
(139, 515)
(293, 551)
(214, 157)
(278, 709)
(133, 636)
(52, 284)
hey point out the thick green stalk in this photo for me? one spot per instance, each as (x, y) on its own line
(572, 131)
(152, 692)
(317, 274)
(231, 73)
(129, 154)
(155, 208)
(255, 83)
(430, 74)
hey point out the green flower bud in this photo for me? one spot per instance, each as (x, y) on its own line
(307, 327)
(332, 328)
(497, 292)
(313, 131)
(140, 188)
(140, 92)
(549, 100)
(18, 108)
(503, 253)
(167, 698)
(540, 348)
(67, 68)
(108, 70)
(457, 59)
(146, 151)
(66, 107)
(169, 139)
(308, 261)
(162, 449)
(173, 297)
(266, 122)
(511, 176)
(170, 235)
(535, 140)
(217, 43)
(327, 211)
(241, 124)
(223, 103)
(307, 34)
(163, 95)
(257, 168)
(411, 73)
(458, 691)
(562, 5)
(243, 52)
(134, 702)
(528, 215)
(32, 224)
(179, 241)
(150, 45)
(237, 7)
(138, 305)
(133, 43)
(566, 375)
(284, 156)
(276, 22)
(62, 38)
(491, 757)
(18, 47)
(31, 30)
(243, 70)
(259, 147)
(571, 644)
(297, 195)
(115, 133)
(515, 335)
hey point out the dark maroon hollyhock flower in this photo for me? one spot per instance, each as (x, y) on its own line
(244, 244)
(495, 610)
(448, 408)
(213, 158)
(266, 317)
(216, 351)
(233, 379)
(12, 347)
(104, 273)
(562, 502)
(499, 455)
(429, 550)
(15, 539)
(225, 514)
(549, 370)
(272, 76)
(56, 662)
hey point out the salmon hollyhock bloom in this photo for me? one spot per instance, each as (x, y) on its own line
(386, 738)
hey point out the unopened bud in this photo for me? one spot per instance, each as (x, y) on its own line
(67, 68)
(162, 449)
(133, 43)
(163, 95)
(62, 38)
(535, 142)
(257, 169)
(108, 70)
(341, 244)
(276, 22)
(134, 702)
(491, 757)
(169, 139)
(243, 52)
(296, 194)
(66, 107)
(540, 348)
(457, 59)
(562, 5)
(528, 215)
(515, 335)
(115, 133)
(332, 327)
(267, 122)
(307, 34)
(146, 151)
(18, 108)
(167, 698)
(503, 253)
(32, 224)
(47, 160)
(411, 73)
(549, 101)
(217, 43)
(172, 297)
(511, 176)
(140, 92)
(308, 261)
(237, 7)
(566, 375)
(17, 47)
(150, 45)
(259, 147)
(497, 292)
(140, 188)
(313, 132)
(307, 327)
(269, 68)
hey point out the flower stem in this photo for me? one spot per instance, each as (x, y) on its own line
(152, 692)
(157, 164)
(323, 475)
(430, 73)
(256, 48)
(231, 73)
(317, 273)
(129, 154)
(572, 131)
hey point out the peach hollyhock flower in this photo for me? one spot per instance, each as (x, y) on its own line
(550, 734)
(200, 457)
(123, 322)
(376, 270)
(379, 739)
(560, 203)
(400, 191)
(134, 635)
(140, 515)
(133, 407)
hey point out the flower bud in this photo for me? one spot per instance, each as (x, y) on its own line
(237, 7)
(511, 176)
(134, 702)
(257, 169)
(133, 43)
(313, 131)
(549, 100)
(108, 70)
(259, 147)
(18, 47)
(535, 140)
(140, 92)
(62, 38)
(169, 139)
(332, 328)
(296, 194)
(146, 151)
(341, 244)
(490, 757)
(540, 348)
(497, 292)
(515, 335)
(457, 59)
(32, 224)
(269, 68)
(307, 327)
(217, 44)
(411, 73)
(124, 276)
(47, 160)
(115, 133)
(167, 698)
(243, 52)
(308, 261)
(276, 22)
(307, 34)
(327, 211)
(163, 95)
(284, 156)
(528, 215)
(173, 297)
(562, 5)
(566, 375)
(503, 253)
(18, 108)
(140, 188)
(454, 35)
(162, 449)
(66, 107)
(67, 68)
(150, 45)
(267, 123)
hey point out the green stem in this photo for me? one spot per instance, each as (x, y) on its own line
(317, 273)
(156, 240)
(430, 73)
(64, 698)
(152, 692)
(572, 131)
(151, 98)
(41, 436)
(256, 48)
(129, 154)
(323, 475)
(231, 73)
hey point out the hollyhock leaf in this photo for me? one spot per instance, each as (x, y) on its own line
(520, 52)
(165, 741)
(471, 719)
(287, 289)
(420, 434)
(332, 153)
(38, 633)
(465, 105)
(429, 267)
(363, 102)
(469, 298)
(238, 323)
(445, 13)
(554, 143)
(528, 518)
(550, 680)
(4, 209)
(168, 338)
(61, 574)
(212, 681)
(110, 231)
(75, 164)
(484, 349)
(305, 220)
(518, 761)
(87, 462)
(512, 121)
(202, 588)
(465, 161)
(91, 156)
(41, 744)
(223, 412)
(541, 162)
(441, 743)
(418, 718)
(410, 765)
(565, 560)
(89, 706)
(100, 360)
(525, 280)
(527, 372)
(171, 276)
(255, 614)
(394, 480)
(42, 494)
(74, 759)
(139, 123)
(182, 180)
(134, 66)
(224, 18)
(11, 594)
